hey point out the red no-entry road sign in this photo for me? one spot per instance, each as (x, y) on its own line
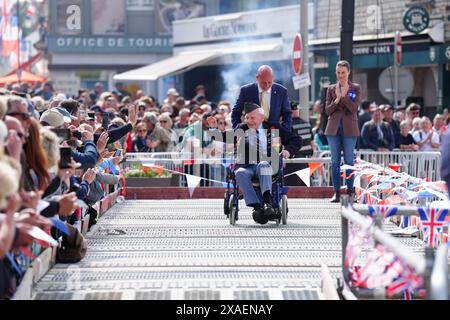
(297, 54)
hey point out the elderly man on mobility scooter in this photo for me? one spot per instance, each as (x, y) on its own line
(257, 152)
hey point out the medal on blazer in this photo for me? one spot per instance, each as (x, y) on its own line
(352, 95)
(275, 139)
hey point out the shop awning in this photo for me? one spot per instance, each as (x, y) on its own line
(188, 60)
(25, 77)
(176, 64)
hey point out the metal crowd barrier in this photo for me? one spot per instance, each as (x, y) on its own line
(424, 165)
(214, 169)
(433, 267)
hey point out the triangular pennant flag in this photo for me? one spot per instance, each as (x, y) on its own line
(40, 235)
(348, 167)
(26, 251)
(383, 186)
(396, 199)
(192, 182)
(313, 166)
(159, 170)
(438, 194)
(61, 226)
(357, 181)
(304, 175)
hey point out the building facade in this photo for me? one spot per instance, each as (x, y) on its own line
(223, 52)
(91, 40)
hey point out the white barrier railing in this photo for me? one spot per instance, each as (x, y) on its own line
(214, 169)
(424, 165)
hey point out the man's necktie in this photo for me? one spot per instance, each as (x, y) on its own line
(264, 105)
(258, 145)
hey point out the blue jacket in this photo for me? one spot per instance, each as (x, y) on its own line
(88, 158)
(279, 104)
(371, 139)
(82, 187)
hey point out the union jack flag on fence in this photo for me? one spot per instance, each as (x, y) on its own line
(406, 283)
(433, 219)
(384, 211)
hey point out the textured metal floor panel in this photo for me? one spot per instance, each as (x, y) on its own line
(186, 250)
(176, 294)
(151, 232)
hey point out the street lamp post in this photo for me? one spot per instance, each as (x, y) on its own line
(347, 29)
(397, 62)
(304, 92)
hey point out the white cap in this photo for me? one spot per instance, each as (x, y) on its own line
(173, 91)
(53, 118)
(61, 97)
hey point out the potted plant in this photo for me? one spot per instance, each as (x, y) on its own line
(138, 176)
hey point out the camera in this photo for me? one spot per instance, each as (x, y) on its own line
(62, 133)
(77, 134)
(66, 157)
(105, 121)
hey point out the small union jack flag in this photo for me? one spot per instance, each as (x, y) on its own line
(406, 283)
(408, 295)
(433, 219)
(354, 247)
(384, 211)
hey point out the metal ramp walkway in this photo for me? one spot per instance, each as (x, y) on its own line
(186, 250)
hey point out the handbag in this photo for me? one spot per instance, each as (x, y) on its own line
(73, 247)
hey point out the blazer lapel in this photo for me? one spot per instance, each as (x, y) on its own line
(257, 93)
(273, 98)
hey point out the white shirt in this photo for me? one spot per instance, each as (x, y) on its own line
(262, 137)
(419, 136)
(267, 95)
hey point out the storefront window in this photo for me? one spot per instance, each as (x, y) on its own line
(69, 17)
(171, 10)
(108, 17)
(231, 6)
(140, 5)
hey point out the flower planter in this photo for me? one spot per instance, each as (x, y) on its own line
(134, 182)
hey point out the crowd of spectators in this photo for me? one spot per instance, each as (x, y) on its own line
(56, 158)
(58, 153)
(384, 128)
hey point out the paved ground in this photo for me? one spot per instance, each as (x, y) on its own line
(186, 249)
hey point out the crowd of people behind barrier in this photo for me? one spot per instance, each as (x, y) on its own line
(56, 151)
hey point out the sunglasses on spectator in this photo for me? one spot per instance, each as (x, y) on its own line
(163, 121)
(21, 135)
(142, 130)
(25, 116)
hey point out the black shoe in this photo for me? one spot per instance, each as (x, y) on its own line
(269, 211)
(259, 217)
(336, 198)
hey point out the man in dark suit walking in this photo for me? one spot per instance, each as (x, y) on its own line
(272, 97)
